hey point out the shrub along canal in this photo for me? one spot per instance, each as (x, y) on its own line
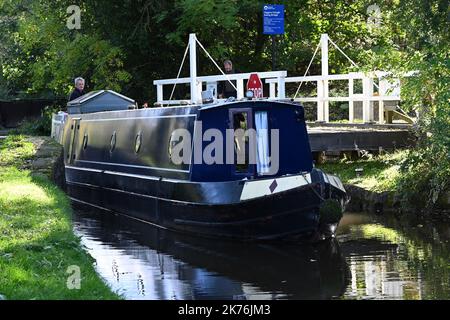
(373, 257)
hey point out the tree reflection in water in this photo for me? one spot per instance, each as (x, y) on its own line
(375, 258)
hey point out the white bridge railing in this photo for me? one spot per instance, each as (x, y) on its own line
(387, 91)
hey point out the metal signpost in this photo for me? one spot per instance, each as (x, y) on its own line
(273, 24)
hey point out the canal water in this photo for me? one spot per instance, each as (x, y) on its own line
(373, 257)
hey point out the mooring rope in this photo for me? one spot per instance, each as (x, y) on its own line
(209, 56)
(351, 61)
(312, 188)
(307, 69)
(340, 50)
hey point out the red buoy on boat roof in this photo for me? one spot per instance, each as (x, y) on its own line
(255, 84)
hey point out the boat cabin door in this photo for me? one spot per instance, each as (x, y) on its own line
(251, 142)
(74, 128)
(241, 122)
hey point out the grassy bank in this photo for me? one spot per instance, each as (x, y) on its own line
(393, 172)
(37, 244)
(379, 173)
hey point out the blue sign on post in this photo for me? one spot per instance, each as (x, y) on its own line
(273, 19)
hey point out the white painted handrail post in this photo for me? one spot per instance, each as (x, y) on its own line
(281, 87)
(272, 90)
(367, 93)
(381, 92)
(159, 93)
(193, 67)
(380, 111)
(240, 88)
(324, 63)
(351, 110)
(320, 101)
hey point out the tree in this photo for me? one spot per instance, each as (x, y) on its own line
(47, 56)
(426, 172)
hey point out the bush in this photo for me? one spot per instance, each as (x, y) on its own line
(425, 176)
(41, 126)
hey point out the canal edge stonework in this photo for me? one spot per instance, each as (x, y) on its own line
(48, 160)
(363, 200)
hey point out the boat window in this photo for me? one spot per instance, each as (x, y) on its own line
(85, 141)
(113, 142)
(174, 140)
(241, 141)
(262, 146)
(138, 142)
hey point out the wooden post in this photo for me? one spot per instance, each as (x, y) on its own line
(199, 86)
(272, 90)
(367, 93)
(380, 111)
(324, 64)
(159, 93)
(351, 111)
(382, 93)
(320, 101)
(240, 88)
(281, 87)
(193, 68)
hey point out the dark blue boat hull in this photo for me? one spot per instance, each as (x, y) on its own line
(182, 206)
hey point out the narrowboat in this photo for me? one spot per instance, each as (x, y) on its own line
(238, 169)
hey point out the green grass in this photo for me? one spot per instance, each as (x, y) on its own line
(380, 173)
(37, 244)
(14, 150)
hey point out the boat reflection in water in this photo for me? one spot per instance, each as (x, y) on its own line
(140, 261)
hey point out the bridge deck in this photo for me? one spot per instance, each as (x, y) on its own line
(348, 137)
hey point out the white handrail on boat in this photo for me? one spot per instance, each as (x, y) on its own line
(277, 76)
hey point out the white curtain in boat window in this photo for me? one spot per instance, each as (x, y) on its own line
(262, 146)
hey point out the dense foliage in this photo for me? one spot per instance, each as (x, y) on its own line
(126, 45)
(426, 171)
